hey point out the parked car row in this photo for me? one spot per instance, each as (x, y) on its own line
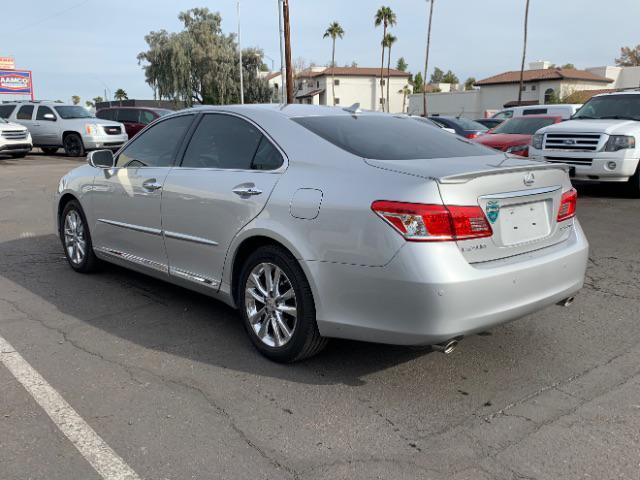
(55, 125)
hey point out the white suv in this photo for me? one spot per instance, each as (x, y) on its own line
(15, 140)
(601, 141)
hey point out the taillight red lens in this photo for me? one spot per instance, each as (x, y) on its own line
(568, 204)
(434, 223)
(472, 135)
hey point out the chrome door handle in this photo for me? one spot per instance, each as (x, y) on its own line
(247, 191)
(151, 185)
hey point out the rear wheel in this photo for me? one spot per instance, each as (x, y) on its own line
(76, 239)
(19, 155)
(73, 145)
(49, 150)
(277, 306)
(634, 182)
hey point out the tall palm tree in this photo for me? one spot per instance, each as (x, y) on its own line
(385, 17)
(334, 32)
(388, 42)
(405, 91)
(426, 62)
(524, 50)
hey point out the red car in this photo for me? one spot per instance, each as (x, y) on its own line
(514, 135)
(133, 118)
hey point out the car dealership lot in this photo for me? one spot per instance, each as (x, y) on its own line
(169, 380)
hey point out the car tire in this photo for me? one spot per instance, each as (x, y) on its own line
(49, 150)
(288, 310)
(18, 155)
(73, 145)
(76, 239)
(634, 183)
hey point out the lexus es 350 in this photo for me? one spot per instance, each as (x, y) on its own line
(318, 222)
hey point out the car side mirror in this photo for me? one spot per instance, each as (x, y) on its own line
(101, 159)
(49, 116)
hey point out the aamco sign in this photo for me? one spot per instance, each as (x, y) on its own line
(17, 82)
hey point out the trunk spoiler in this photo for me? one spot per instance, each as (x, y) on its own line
(465, 177)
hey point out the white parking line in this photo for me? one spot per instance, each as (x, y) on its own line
(102, 458)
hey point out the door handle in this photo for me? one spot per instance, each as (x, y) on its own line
(247, 190)
(151, 185)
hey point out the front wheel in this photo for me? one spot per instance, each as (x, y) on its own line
(19, 155)
(73, 145)
(634, 183)
(76, 239)
(277, 306)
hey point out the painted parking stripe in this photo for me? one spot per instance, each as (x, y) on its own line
(101, 456)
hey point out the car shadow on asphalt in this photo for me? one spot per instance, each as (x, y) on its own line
(163, 317)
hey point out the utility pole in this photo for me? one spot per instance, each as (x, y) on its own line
(287, 50)
(240, 55)
(426, 63)
(283, 80)
(524, 51)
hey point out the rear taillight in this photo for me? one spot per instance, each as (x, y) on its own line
(433, 223)
(568, 204)
(472, 135)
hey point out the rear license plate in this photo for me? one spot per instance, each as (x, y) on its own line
(524, 223)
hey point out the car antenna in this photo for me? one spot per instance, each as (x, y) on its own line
(355, 108)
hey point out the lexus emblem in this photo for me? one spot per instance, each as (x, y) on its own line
(529, 179)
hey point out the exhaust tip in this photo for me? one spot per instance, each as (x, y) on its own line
(446, 347)
(567, 302)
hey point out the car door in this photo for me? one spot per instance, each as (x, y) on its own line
(45, 129)
(24, 117)
(227, 173)
(126, 199)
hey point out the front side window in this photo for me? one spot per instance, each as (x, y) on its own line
(156, 147)
(73, 111)
(503, 114)
(385, 137)
(524, 125)
(6, 110)
(229, 142)
(25, 112)
(42, 111)
(146, 117)
(625, 106)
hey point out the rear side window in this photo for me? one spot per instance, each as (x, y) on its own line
(107, 114)
(535, 111)
(385, 137)
(6, 110)
(523, 125)
(25, 112)
(128, 115)
(229, 142)
(157, 146)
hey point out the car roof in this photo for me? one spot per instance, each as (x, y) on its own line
(622, 92)
(292, 110)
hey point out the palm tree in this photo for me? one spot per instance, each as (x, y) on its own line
(405, 91)
(388, 42)
(385, 17)
(524, 50)
(334, 32)
(426, 61)
(120, 94)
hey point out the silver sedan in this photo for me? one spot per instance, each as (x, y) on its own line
(319, 222)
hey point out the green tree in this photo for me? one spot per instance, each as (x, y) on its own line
(437, 76)
(97, 100)
(469, 83)
(405, 91)
(89, 104)
(450, 77)
(629, 57)
(334, 32)
(385, 17)
(570, 66)
(402, 64)
(388, 42)
(75, 99)
(120, 95)
(418, 83)
(200, 63)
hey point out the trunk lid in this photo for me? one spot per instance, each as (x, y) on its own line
(519, 197)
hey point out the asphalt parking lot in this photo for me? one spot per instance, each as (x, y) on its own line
(169, 380)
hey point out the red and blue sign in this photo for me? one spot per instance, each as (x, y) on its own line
(16, 82)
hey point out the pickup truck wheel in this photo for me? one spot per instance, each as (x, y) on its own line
(49, 150)
(277, 306)
(18, 155)
(634, 183)
(73, 145)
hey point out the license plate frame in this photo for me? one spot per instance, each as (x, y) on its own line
(524, 222)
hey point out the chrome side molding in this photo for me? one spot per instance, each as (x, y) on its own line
(193, 277)
(190, 238)
(137, 228)
(145, 262)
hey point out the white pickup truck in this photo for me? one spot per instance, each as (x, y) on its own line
(601, 141)
(15, 140)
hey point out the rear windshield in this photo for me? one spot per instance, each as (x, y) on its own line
(385, 137)
(523, 126)
(467, 124)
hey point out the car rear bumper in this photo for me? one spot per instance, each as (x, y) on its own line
(429, 293)
(97, 142)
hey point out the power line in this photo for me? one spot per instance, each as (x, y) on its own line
(49, 17)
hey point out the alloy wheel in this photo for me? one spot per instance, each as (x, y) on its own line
(75, 241)
(73, 145)
(270, 303)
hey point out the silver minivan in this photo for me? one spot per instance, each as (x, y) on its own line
(53, 125)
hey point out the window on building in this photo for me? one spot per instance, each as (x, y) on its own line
(549, 95)
(317, 84)
(336, 82)
(337, 101)
(300, 84)
(381, 101)
(276, 86)
(534, 87)
(384, 82)
(524, 88)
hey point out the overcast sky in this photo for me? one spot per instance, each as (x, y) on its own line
(79, 46)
